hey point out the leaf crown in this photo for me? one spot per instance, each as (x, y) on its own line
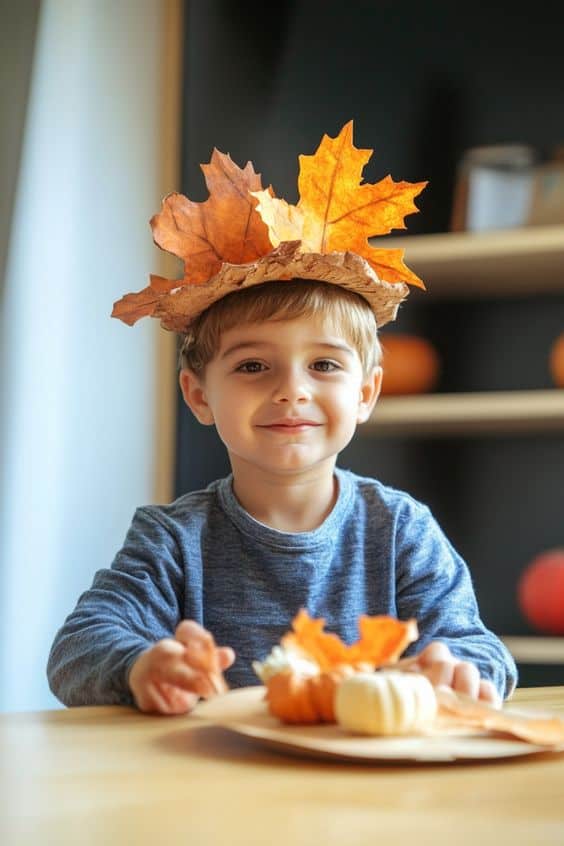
(244, 235)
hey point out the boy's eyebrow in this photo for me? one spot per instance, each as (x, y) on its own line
(243, 344)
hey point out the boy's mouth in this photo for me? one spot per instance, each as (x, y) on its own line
(290, 425)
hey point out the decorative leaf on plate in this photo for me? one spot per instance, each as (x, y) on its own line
(539, 728)
(382, 641)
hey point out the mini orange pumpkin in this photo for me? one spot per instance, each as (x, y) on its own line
(297, 698)
(556, 361)
(411, 364)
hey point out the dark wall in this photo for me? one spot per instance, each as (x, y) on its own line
(422, 82)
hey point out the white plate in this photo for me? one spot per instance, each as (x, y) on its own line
(245, 712)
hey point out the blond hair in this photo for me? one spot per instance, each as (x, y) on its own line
(349, 313)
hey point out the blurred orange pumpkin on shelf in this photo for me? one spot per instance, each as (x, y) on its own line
(556, 361)
(411, 364)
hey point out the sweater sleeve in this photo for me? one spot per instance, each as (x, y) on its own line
(434, 586)
(129, 607)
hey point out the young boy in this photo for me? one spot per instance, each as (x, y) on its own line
(285, 370)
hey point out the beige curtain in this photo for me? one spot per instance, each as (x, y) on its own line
(87, 420)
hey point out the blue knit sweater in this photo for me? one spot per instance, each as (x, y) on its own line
(204, 558)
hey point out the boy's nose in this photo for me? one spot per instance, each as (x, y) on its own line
(290, 389)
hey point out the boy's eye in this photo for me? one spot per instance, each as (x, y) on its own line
(325, 365)
(250, 367)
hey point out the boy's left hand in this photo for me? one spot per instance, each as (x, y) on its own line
(437, 662)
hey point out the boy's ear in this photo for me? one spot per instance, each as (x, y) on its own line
(369, 392)
(194, 395)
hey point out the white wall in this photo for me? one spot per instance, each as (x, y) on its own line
(79, 431)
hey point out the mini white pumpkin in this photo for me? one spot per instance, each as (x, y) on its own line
(386, 702)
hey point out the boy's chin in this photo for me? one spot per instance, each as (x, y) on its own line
(287, 466)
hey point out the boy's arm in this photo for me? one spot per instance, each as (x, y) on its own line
(128, 608)
(433, 584)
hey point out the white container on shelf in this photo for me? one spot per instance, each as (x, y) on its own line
(495, 187)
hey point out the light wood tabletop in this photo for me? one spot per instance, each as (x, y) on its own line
(115, 776)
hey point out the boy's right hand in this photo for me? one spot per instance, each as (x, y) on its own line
(170, 677)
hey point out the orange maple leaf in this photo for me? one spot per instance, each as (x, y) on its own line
(337, 213)
(382, 641)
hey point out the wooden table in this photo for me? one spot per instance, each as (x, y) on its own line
(114, 776)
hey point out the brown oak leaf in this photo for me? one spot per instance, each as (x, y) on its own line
(224, 228)
(132, 307)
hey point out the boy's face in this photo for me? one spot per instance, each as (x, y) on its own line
(285, 396)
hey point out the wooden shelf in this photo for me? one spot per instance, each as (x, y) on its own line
(468, 413)
(502, 262)
(536, 650)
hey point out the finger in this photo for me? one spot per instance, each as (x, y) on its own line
(151, 701)
(165, 699)
(434, 652)
(179, 701)
(164, 651)
(225, 656)
(163, 668)
(172, 669)
(206, 660)
(441, 672)
(201, 657)
(466, 679)
(488, 693)
(199, 645)
(180, 665)
(189, 631)
(222, 658)
(411, 663)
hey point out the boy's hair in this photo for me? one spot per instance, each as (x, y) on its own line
(285, 300)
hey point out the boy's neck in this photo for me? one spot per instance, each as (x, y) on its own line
(289, 503)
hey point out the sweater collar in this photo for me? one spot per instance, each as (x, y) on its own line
(323, 534)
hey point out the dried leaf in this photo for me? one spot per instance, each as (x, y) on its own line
(132, 307)
(285, 222)
(382, 641)
(226, 227)
(459, 710)
(285, 262)
(227, 241)
(338, 213)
